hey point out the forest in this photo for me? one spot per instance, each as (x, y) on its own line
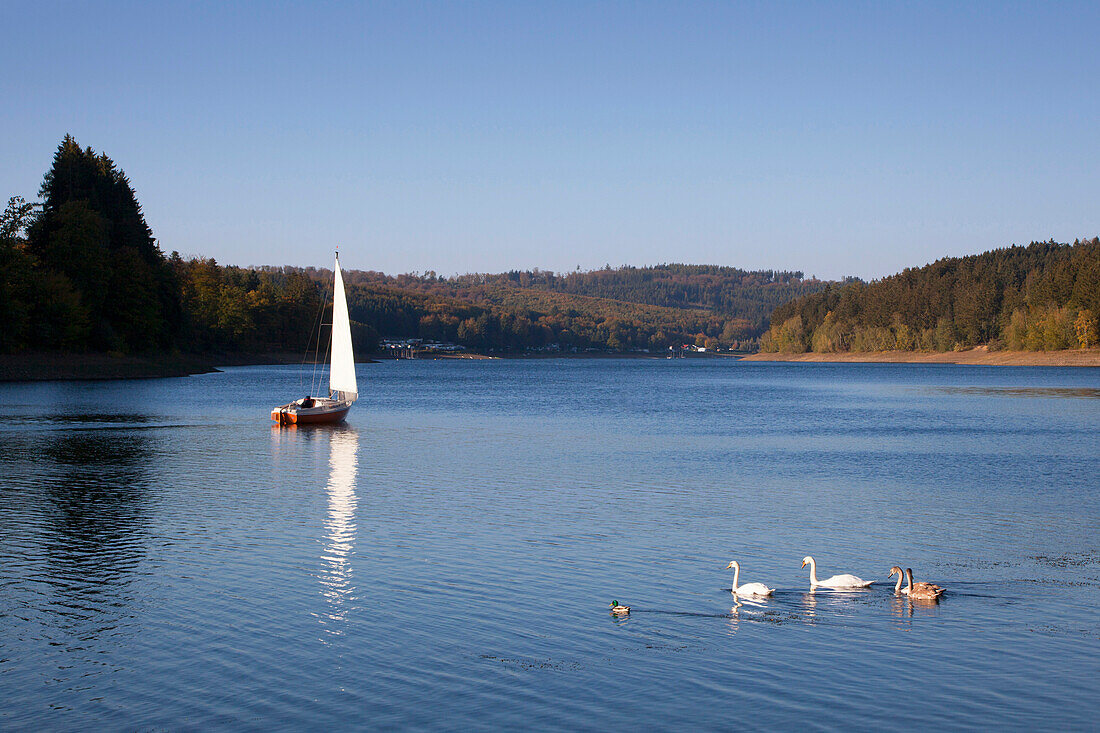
(1041, 297)
(621, 309)
(723, 291)
(80, 271)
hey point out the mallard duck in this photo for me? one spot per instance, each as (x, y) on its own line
(837, 581)
(748, 589)
(619, 610)
(921, 591)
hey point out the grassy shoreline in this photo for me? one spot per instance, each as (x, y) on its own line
(979, 356)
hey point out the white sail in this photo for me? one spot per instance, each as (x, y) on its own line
(342, 372)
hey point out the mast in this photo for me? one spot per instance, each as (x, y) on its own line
(342, 371)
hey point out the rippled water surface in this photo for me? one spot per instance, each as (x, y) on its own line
(446, 559)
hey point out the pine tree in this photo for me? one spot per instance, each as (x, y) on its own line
(92, 232)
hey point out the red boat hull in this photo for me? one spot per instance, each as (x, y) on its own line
(290, 417)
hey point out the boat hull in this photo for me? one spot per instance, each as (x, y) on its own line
(325, 414)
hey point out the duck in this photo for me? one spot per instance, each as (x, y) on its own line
(921, 591)
(748, 589)
(837, 581)
(618, 610)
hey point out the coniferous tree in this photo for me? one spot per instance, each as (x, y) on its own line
(91, 231)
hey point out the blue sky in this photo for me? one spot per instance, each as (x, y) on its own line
(833, 138)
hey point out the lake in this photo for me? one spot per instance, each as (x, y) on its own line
(445, 560)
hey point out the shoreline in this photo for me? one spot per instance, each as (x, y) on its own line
(977, 357)
(61, 367)
(52, 367)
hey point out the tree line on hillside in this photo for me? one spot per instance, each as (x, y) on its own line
(743, 295)
(508, 321)
(626, 308)
(1045, 296)
(81, 271)
(236, 309)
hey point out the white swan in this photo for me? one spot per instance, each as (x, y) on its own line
(837, 581)
(748, 589)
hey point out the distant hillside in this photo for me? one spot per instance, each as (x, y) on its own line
(1045, 296)
(618, 309)
(726, 291)
(82, 272)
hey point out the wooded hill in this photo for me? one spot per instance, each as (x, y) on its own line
(724, 291)
(82, 272)
(1045, 296)
(618, 309)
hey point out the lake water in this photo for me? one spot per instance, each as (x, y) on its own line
(168, 559)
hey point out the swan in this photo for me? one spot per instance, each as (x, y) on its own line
(619, 610)
(901, 578)
(922, 591)
(748, 589)
(837, 581)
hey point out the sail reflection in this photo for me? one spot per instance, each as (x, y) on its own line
(336, 575)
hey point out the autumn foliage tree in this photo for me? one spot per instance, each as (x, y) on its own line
(1040, 297)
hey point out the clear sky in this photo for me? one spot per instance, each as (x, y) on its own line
(833, 138)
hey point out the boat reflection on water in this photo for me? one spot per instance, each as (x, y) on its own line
(336, 575)
(297, 445)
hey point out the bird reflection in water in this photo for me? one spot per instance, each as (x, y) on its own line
(734, 619)
(751, 608)
(809, 602)
(902, 608)
(336, 575)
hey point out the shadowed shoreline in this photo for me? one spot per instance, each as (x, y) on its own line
(48, 367)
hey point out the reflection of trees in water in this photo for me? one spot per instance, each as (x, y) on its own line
(98, 488)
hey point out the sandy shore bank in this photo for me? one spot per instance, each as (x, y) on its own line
(979, 356)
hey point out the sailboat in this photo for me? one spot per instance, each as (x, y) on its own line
(343, 390)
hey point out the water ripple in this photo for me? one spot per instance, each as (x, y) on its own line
(446, 560)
